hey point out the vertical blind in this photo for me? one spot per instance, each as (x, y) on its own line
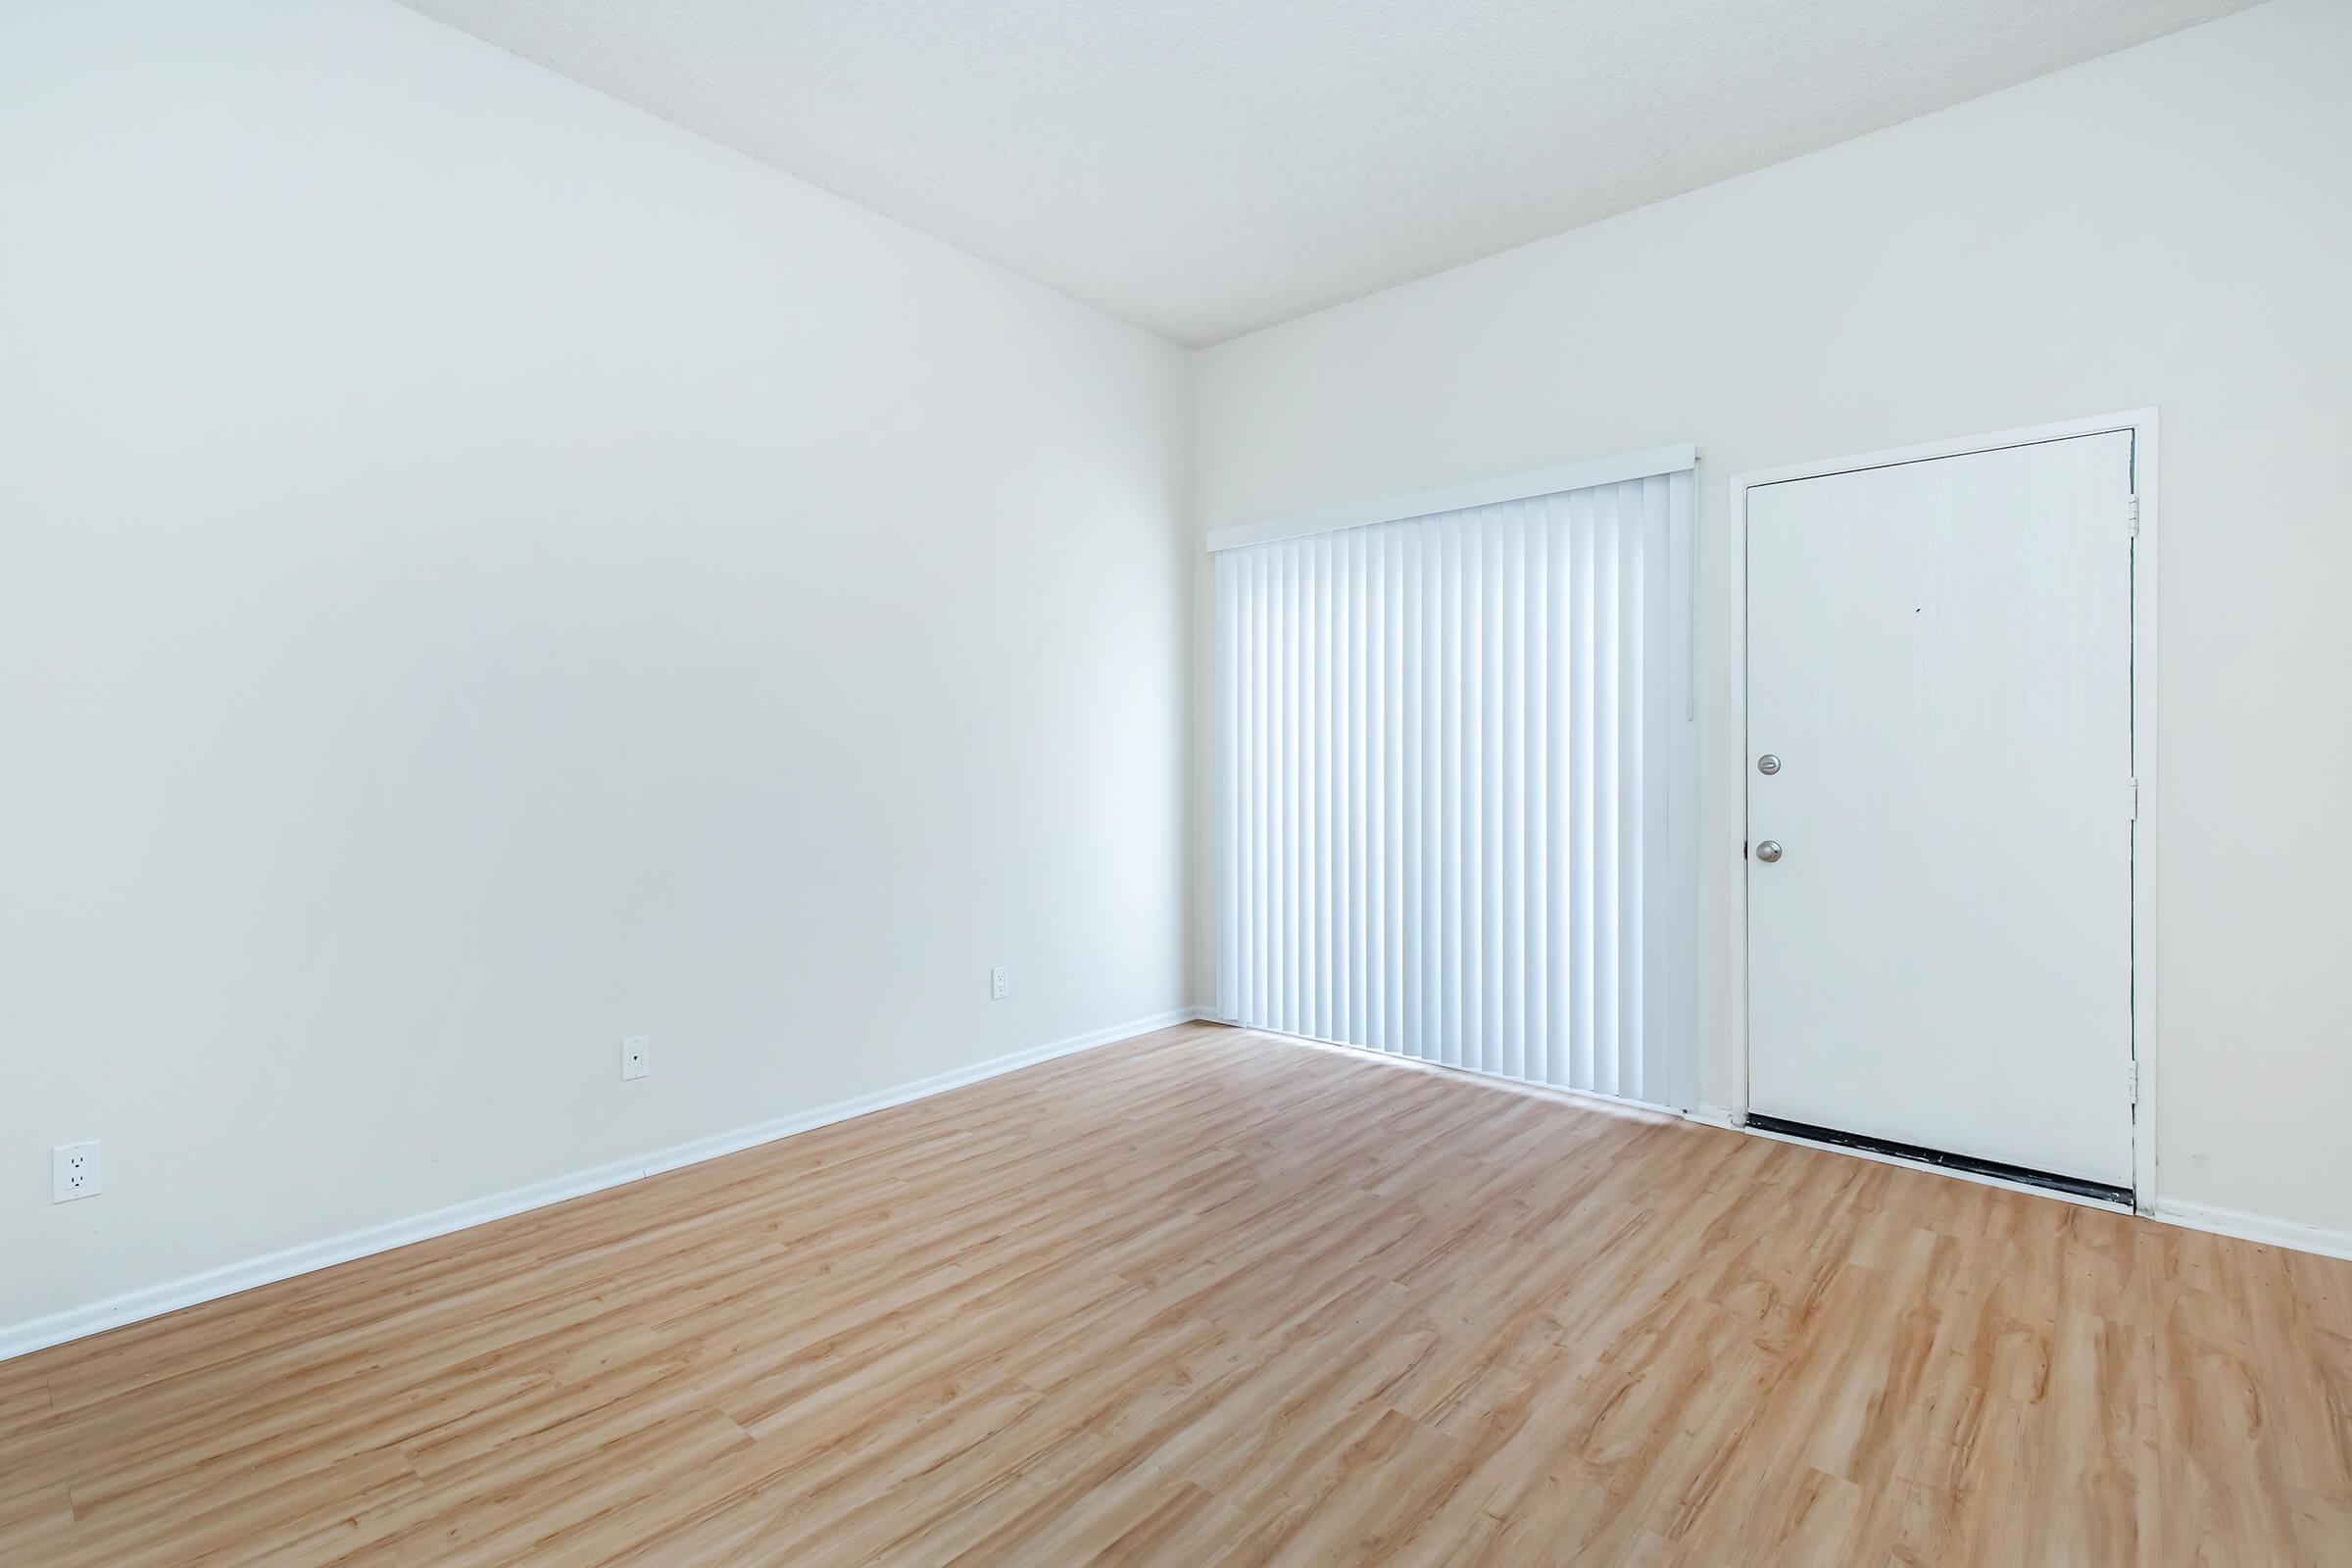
(1454, 787)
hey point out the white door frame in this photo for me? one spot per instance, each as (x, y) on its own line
(2141, 423)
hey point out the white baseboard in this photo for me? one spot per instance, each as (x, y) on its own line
(1613, 1104)
(2254, 1227)
(17, 1339)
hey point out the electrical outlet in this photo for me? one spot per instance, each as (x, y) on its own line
(73, 1172)
(999, 983)
(636, 1056)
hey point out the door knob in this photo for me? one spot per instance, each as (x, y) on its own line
(1768, 764)
(1769, 851)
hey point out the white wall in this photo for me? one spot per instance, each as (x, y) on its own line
(483, 572)
(2169, 225)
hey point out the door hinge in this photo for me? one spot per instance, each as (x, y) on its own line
(2132, 1079)
(2131, 518)
(2131, 807)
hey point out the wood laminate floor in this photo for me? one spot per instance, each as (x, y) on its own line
(1210, 1298)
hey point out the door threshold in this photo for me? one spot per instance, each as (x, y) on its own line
(2072, 1186)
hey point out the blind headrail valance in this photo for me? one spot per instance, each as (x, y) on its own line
(1679, 457)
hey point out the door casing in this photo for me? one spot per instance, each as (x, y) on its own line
(2142, 424)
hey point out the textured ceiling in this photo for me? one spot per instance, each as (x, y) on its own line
(1205, 166)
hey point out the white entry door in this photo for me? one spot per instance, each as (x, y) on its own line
(1939, 804)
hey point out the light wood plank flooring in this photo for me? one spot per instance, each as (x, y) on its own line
(1213, 1298)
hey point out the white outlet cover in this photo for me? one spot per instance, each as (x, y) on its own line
(74, 1172)
(636, 1056)
(999, 983)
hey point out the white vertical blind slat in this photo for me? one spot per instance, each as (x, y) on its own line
(1254, 996)
(1587, 1010)
(1606, 693)
(1230, 769)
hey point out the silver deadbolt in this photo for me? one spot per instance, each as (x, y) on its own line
(1769, 851)
(1768, 764)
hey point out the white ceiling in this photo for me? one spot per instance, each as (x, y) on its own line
(1205, 166)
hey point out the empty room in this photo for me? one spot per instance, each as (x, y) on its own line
(1546, 783)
